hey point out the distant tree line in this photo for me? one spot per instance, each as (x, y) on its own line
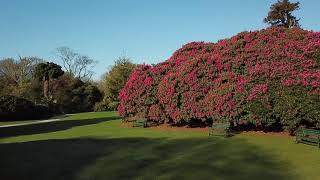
(33, 88)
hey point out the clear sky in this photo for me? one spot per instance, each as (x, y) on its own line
(147, 31)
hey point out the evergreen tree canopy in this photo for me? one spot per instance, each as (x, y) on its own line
(280, 14)
(49, 70)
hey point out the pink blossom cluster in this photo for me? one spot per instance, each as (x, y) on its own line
(204, 81)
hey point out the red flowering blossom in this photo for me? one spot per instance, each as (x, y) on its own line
(257, 89)
(203, 81)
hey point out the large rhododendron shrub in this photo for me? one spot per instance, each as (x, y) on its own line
(266, 77)
(138, 97)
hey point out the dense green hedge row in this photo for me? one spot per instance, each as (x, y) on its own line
(15, 108)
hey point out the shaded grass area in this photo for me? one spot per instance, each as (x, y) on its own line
(140, 158)
(96, 146)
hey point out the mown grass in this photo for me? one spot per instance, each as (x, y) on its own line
(96, 146)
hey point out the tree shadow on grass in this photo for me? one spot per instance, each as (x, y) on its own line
(140, 158)
(49, 126)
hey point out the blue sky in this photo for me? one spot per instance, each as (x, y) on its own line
(147, 31)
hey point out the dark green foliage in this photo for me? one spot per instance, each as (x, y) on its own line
(73, 95)
(285, 107)
(297, 106)
(46, 71)
(280, 14)
(49, 70)
(15, 108)
(2, 85)
(259, 113)
(91, 95)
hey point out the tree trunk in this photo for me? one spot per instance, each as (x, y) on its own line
(46, 87)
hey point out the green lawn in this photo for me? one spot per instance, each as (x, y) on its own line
(95, 146)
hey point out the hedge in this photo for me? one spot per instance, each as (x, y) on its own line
(14, 108)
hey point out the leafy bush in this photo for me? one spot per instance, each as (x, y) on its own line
(100, 106)
(15, 108)
(247, 78)
(114, 80)
(73, 95)
(296, 106)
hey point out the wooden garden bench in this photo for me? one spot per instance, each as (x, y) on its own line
(220, 129)
(308, 136)
(140, 122)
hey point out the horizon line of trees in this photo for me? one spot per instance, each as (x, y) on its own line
(31, 84)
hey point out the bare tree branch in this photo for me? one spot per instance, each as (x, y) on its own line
(77, 65)
(18, 71)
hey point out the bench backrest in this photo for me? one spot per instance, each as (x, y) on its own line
(142, 120)
(220, 125)
(310, 131)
